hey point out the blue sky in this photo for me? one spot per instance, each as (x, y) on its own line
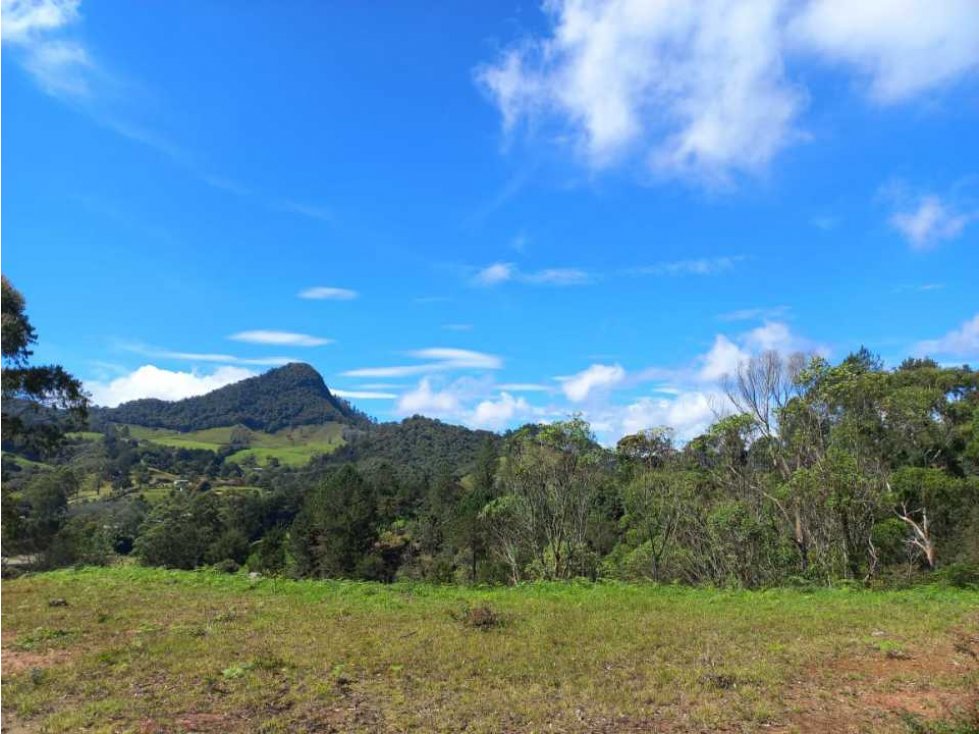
(506, 215)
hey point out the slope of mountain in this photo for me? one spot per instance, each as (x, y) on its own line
(285, 397)
(417, 444)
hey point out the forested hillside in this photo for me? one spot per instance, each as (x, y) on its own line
(293, 395)
(816, 473)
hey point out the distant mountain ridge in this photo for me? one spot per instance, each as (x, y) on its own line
(284, 397)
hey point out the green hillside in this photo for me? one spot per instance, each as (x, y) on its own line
(289, 396)
(290, 446)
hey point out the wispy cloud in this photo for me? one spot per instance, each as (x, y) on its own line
(363, 394)
(698, 266)
(502, 272)
(46, 39)
(40, 33)
(929, 221)
(228, 359)
(279, 338)
(435, 359)
(457, 327)
(753, 314)
(328, 293)
(524, 387)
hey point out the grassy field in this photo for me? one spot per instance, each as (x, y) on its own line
(291, 446)
(143, 650)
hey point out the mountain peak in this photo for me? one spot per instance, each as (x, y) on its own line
(292, 395)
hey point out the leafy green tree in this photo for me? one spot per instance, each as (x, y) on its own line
(28, 390)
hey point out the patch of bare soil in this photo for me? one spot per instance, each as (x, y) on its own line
(877, 692)
(15, 661)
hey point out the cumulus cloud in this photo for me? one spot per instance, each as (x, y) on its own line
(702, 89)
(437, 359)
(150, 381)
(427, 400)
(725, 355)
(464, 400)
(328, 293)
(929, 222)
(697, 87)
(961, 342)
(279, 338)
(578, 387)
(901, 47)
(498, 273)
(496, 414)
(689, 414)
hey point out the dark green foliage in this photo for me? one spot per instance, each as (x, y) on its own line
(293, 395)
(417, 447)
(335, 531)
(39, 402)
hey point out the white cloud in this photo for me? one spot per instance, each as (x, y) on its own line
(701, 88)
(364, 394)
(961, 342)
(60, 66)
(596, 377)
(498, 273)
(206, 357)
(496, 414)
(902, 47)
(494, 274)
(524, 387)
(328, 293)
(772, 335)
(150, 381)
(697, 87)
(426, 400)
(464, 400)
(459, 358)
(689, 414)
(929, 222)
(725, 355)
(279, 338)
(440, 359)
(722, 359)
(24, 20)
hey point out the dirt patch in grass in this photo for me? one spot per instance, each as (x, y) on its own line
(877, 691)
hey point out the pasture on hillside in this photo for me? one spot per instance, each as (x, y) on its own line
(130, 649)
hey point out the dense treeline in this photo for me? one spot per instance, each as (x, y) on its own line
(816, 473)
(289, 396)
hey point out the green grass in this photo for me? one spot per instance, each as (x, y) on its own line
(291, 446)
(85, 435)
(25, 463)
(150, 650)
